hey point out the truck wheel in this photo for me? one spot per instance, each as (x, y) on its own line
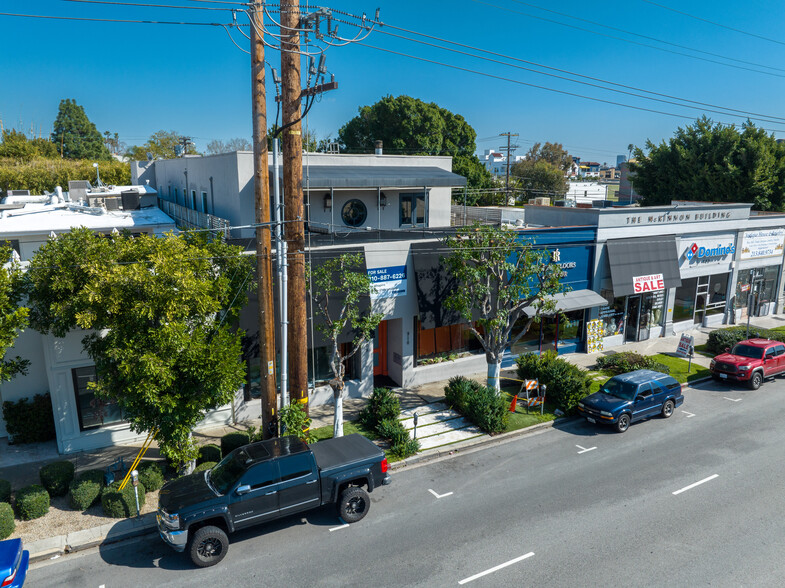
(667, 409)
(756, 380)
(623, 423)
(353, 504)
(208, 546)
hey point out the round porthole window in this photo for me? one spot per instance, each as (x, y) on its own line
(354, 213)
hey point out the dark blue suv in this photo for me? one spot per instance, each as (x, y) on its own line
(630, 397)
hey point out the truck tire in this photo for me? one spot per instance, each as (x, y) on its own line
(756, 380)
(353, 504)
(623, 423)
(208, 546)
(667, 409)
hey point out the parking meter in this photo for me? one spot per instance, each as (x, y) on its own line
(135, 482)
(543, 389)
(415, 425)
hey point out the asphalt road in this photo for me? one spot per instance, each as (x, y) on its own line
(695, 500)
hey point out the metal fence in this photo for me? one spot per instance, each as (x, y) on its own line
(186, 218)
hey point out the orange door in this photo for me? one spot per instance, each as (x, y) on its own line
(380, 350)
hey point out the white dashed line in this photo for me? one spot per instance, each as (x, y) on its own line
(732, 399)
(439, 495)
(689, 414)
(691, 486)
(341, 527)
(584, 449)
(497, 568)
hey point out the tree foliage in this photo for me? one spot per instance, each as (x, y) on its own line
(536, 178)
(410, 126)
(15, 145)
(74, 136)
(712, 162)
(499, 273)
(159, 312)
(338, 285)
(13, 315)
(216, 146)
(553, 153)
(39, 175)
(161, 145)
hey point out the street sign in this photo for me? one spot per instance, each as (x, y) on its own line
(685, 345)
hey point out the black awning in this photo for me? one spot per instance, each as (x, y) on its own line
(643, 256)
(434, 283)
(573, 300)
(317, 258)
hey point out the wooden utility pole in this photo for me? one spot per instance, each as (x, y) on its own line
(293, 200)
(263, 247)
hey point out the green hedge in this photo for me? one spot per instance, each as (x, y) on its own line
(482, 405)
(210, 452)
(32, 502)
(5, 491)
(7, 524)
(234, 440)
(629, 361)
(383, 404)
(57, 477)
(85, 489)
(566, 383)
(117, 504)
(151, 475)
(41, 174)
(204, 466)
(401, 444)
(722, 339)
(30, 421)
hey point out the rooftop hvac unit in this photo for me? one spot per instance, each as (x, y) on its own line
(130, 200)
(541, 201)
(112, 203)
(19, 192)
(95, 201)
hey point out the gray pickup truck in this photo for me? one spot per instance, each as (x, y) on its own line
(264, 481)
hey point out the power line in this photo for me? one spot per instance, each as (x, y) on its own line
(150, 5)
(164, 22)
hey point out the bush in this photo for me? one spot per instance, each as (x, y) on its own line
(30, 421)
(56, 477)
(234, 440)
(628, 361)
(151, 476)
(32, 502)
(85, 489)
(204, 466)
(482, 405)
(7, 524)
(388, 428)
(722, 339)
(566, 383)
(383, 404)
(406, 448)
(295, 421)
(121, 504)
(5, 491)
(209, 452)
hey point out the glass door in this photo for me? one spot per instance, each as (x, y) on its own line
(701, 296)
(633, 318)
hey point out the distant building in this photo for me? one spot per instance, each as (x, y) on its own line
(496, 162)
(627, 191)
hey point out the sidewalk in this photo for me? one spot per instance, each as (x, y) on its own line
(426, 401)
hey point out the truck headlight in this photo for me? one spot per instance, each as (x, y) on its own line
(606, 413)
(711, 365)
(744, 368)
(170, 520)
(581, 405)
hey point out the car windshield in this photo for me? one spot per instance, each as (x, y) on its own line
(747, 351)
(619, 389)
(228, 471)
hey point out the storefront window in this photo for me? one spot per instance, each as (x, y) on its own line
(760, 281)
(684, 301)
(321, 371)
(443, 340)
(612, 315)
(93, 411)
(718, 287)
(530, 341)
(571, 326)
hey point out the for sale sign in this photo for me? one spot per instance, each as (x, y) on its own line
(650, 283)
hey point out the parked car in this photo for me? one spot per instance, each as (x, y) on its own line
(750, 362)
(13, 563)
(631, 397)
(264, 481)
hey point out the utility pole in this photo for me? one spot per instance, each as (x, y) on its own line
(510, 149)
(293, 200)
(185, 141)
(263, 247)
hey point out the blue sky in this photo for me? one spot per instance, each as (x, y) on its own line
(135, 79)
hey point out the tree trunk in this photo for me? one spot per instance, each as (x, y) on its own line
(494, 371)
(337, 386)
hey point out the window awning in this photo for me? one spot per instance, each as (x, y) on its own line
(573, 300)
(364, 176)
(643, 256)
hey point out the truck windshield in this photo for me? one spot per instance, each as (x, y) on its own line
(747, 351)
(619, 389)
(228, 471)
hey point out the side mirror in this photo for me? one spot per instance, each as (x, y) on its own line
(243, 490)
(727, 350)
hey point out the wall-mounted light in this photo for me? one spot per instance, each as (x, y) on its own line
(382, 200)
(328, 201)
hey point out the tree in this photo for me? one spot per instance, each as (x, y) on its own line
(16, 145)
(75, 136)
(161, 145)
(338, 286)
(713, 162)
(499, 274)
(13, 316)
(216, 146)
(113, 143)
(552, 153)
(534, 178)
(160, 314)
(412, 127)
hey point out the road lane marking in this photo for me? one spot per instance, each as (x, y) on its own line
(584, 449)
(439, 495)
(732, 399)
(495, 569)
(341, 527)
(691, 486)
(689, 414)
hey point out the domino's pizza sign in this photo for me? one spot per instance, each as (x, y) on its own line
(700, 253)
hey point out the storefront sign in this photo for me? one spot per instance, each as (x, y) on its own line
(685, 345)
(650, 283)
(765, 243)
(700, 253)
(388, 282)
(565, 265)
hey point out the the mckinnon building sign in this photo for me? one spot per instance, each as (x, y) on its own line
(677, 217)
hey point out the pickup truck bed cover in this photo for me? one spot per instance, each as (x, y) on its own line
(343, 451)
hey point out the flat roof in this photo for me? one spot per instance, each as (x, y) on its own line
(388, 176)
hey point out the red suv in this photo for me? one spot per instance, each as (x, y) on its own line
(750, 361)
